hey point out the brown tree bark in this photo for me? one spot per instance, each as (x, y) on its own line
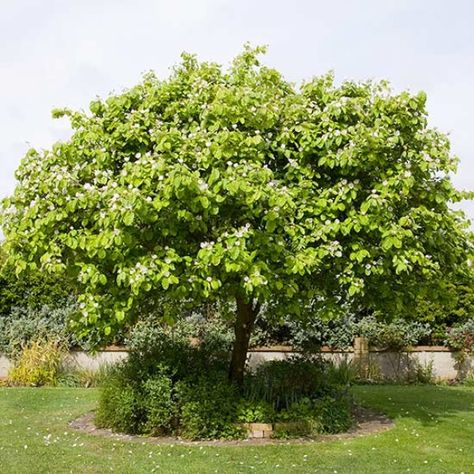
(245, 319)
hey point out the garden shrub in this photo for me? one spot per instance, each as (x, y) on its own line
(422, 373)
(461, 340)
(394, 335)
(333, 414)
(24, 324)
(212, 332)
(469, 379)
(120, 405)
(283, 382)
(461, 337)
(39, 363)
(344, 372)
(338, 333)
(310, 335)
(159, 406)
(254, 411)
(169, 387)
(166, 391)
(207, 408)
(310, 416)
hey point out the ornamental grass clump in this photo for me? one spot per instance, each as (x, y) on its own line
(39, 363)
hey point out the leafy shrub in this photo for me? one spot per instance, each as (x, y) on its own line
(33, 289)
(169, 387)
(395, 335)
(461, 337)
(248, 411)
(159, 405)
(323, 415)
(120, 405)
(303, 409)
(166, 393)
(40, 363)
(207, 408)
(24, 324)
(284, 382)
(469, 379)
(334, 414)
(310, 335)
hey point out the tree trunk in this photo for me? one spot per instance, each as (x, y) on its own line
(245, 318)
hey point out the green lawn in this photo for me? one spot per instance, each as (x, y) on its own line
(434, 433)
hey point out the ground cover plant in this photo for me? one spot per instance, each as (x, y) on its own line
(236, 186)
(434, 428)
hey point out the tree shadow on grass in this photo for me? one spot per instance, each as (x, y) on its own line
(427, 404)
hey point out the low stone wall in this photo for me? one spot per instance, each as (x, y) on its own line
(85, 360)
(5, 365)
(441, 362)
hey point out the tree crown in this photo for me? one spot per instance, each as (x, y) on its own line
(214, 183)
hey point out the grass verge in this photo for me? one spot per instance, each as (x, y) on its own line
(434, 433)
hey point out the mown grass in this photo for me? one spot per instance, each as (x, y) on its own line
(434, 433)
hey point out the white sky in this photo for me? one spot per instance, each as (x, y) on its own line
(56, 53)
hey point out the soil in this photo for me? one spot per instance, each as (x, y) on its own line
(366, 422)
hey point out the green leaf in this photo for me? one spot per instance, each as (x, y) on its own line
(128, 218)
(204, 202)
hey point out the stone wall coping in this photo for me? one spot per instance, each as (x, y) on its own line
(324, 349)
(327, 349)
(414, 349)
(105, 349)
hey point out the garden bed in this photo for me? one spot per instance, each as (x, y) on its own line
(366, 422)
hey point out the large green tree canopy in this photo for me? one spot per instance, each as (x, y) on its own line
(235, 184)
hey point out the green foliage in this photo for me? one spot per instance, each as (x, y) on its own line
(311, 334)
(341, 373)
(254, 411)
(461, 337)
(284, 382)
(214, 182)
(161, 389)
(395, 335)
(453, 304)
(86, 378)
(423, 374)
(40, 363)
(211, 330)
(159, 405)
(208, 408)
(25, 323)
(334, 414)
(324, 415)
(469, 379)
(32, 290)
(119, 406)
(175, 389)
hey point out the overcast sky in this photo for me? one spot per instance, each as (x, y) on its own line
(56, 53)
